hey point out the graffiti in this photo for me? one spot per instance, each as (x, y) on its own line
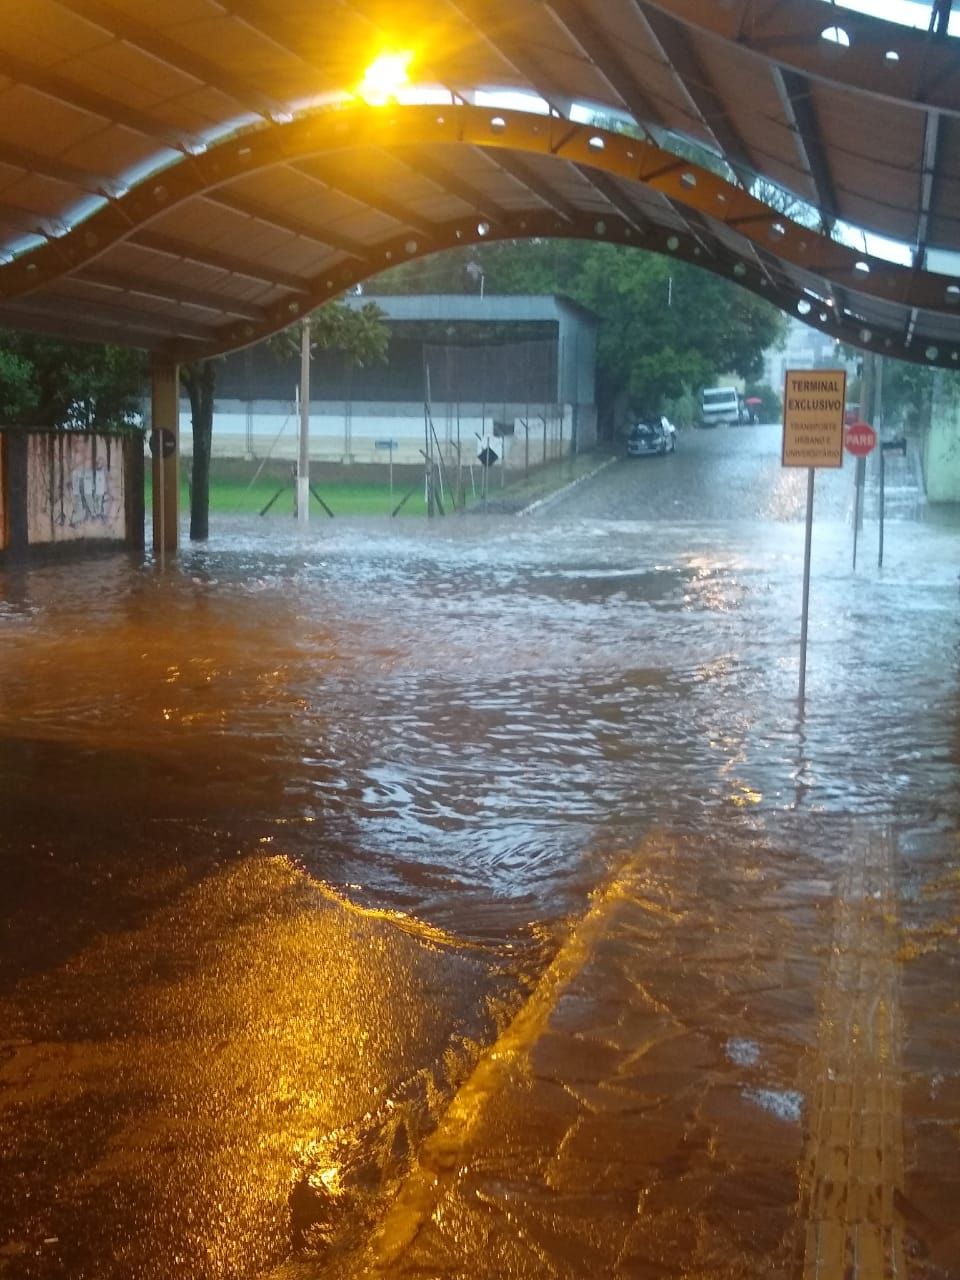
(94, 498)
(74, 489)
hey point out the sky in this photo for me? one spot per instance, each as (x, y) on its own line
(910, 13)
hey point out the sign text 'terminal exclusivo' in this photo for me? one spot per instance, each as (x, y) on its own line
(813, 407)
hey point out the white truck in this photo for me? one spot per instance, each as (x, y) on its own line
(720, 405)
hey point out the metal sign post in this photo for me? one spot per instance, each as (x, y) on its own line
(860, 439)
(887, 446)
(813, 405)
(805, 611)
(161, 472)
(391, 445)
(883, 503)
(859, 478)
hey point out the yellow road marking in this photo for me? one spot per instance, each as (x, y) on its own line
(439, 1158)
(854, 1161)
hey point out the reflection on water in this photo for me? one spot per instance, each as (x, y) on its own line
(465, 716)
(472, 725)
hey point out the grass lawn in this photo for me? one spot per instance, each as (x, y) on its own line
(236, 495)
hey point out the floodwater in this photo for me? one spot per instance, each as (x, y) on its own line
(294, 832)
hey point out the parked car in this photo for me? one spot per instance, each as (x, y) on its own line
(656, 436)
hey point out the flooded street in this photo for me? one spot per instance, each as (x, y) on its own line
(470, 899)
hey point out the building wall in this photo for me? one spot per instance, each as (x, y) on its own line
(805, 348)
(941, 454)
(349, 432)
(535, 366)
(942, 462)
(75, 488)
(574, 326)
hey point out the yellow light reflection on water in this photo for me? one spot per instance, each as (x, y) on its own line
(743, 796)
(257, 1028)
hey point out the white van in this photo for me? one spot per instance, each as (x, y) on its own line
(721, 405)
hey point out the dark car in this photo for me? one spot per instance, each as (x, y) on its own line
(655, 436)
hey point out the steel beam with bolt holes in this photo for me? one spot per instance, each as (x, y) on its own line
(686, 187)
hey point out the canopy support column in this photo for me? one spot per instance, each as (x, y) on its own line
(165, 403)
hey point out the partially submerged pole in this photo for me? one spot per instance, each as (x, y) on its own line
(303, 453)
(805, 614)
(165, 449)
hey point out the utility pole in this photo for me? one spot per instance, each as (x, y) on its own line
(303, 455)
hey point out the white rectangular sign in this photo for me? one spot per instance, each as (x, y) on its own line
(813, 407)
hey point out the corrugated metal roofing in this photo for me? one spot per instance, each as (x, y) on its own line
(124, 218)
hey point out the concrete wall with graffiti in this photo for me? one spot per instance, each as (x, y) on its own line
(75, 486)
(57, 488)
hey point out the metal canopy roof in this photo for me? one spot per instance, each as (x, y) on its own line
(190, 176)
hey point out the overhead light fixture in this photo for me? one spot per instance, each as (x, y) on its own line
(385, 77)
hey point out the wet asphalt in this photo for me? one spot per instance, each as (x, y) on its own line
(295, 835)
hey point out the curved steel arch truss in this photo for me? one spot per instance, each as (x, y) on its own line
(610, 229)
(726, 230)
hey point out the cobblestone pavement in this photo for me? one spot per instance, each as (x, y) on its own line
(730, 1070)
(696, 1089)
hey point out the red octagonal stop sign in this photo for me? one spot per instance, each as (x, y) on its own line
(860, 439)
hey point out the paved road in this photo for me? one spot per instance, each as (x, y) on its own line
(719, 474)
(709, 1078)
(293, 833)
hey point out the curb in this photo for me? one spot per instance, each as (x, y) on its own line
(440, 1158)
(542, 503)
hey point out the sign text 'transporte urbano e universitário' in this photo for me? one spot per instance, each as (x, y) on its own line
(813, 407)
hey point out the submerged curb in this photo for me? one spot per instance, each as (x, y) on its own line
(442, 1154)
(542, 503)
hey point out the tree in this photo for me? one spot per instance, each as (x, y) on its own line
(45, 382)
(18, 395)
(907, 393)
(358, 332)
(199, 380)
(666, 327)
(791, 206)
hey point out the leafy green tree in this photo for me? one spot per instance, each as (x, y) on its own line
(906, 391)
(45, 382)
(666, 327)
(907, 394)
(359, 333)
(18, 395)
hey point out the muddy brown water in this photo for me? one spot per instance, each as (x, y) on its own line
(292, 831)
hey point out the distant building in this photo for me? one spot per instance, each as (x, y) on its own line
(514, 374)
(805, 348)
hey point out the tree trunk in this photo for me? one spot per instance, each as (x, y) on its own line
(200, 380)
(611, 405)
